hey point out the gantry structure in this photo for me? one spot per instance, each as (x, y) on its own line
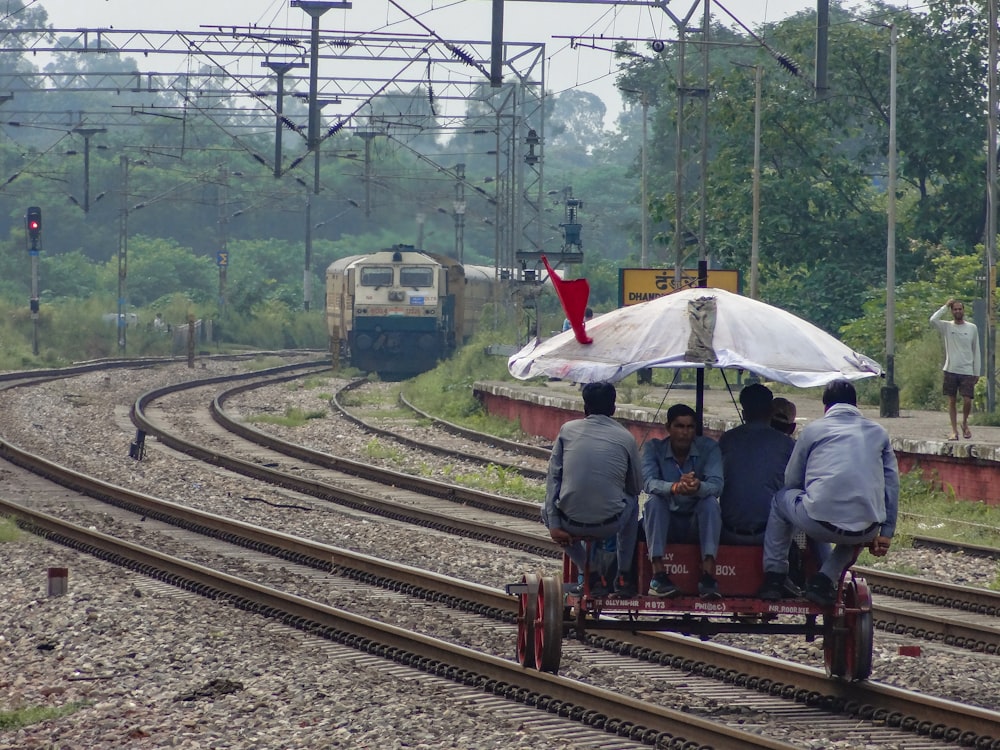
(241, 77)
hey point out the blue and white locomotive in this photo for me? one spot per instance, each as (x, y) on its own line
(399, 311)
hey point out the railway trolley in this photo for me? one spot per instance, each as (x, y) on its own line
(696, 329)
(552, 608)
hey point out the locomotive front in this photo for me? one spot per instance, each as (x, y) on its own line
(404, 316)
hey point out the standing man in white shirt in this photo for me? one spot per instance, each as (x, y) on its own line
(962, 362)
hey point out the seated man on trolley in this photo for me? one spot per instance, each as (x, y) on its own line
(683, 478)
(754, 456)
(593, 486)
(841, 487)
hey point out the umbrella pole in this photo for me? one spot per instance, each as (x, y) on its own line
(699, 401)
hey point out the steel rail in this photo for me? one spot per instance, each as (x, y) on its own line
(531, 542)
(494, 503)
(980, 637)
(527, 472)
(534, 451)
(869, 701)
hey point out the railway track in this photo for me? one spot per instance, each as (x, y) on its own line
(595, 706)
(487, 450)
(803, 693)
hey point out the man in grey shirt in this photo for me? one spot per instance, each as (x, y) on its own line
(841, 486)
(593, 484)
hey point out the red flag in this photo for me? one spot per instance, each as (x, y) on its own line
(573, 295)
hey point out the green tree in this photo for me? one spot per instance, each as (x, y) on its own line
(576, 126)
(69, 275)
(940, 118)
(159, 266)
(945, 276)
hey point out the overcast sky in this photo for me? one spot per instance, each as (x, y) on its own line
(524, 21)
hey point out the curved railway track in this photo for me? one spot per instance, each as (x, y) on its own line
(531, 463)
(763, 679)
(540, 453)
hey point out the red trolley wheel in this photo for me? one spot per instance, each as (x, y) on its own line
(527, 614)
(859, 640)
(834, 645)
(848, 639)
(549, 625)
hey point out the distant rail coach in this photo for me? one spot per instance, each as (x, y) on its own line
(397, 312)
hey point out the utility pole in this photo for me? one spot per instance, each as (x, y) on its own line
(87, 133)
(755, 233)
(460, 213)
(222, 251)
(122, 256)
(889, 402)
(316, 9)
(279, 70)
(644, 257)
(306, 270)
(307, 262)
(991, 212)
(679, 161)
(367, 135)
(689, 152)
(822, 48)
(644, 216)
(421, 218)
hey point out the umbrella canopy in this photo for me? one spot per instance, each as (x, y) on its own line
(696, 328)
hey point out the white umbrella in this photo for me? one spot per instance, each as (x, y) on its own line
(696, 328)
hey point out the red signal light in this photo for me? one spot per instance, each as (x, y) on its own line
(33, 221)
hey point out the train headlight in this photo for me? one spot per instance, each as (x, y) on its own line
(396, 295)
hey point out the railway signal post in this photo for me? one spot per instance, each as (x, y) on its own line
(33, 229)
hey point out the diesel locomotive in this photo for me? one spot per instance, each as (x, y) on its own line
(399, 311)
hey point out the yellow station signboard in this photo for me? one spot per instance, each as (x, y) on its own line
(637, 285)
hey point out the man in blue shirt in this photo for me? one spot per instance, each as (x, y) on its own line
(754, 456)
(842, 487)
(594, 483)
(683, 478)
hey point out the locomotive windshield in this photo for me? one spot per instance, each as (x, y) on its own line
(416, 276)
(376, 276)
